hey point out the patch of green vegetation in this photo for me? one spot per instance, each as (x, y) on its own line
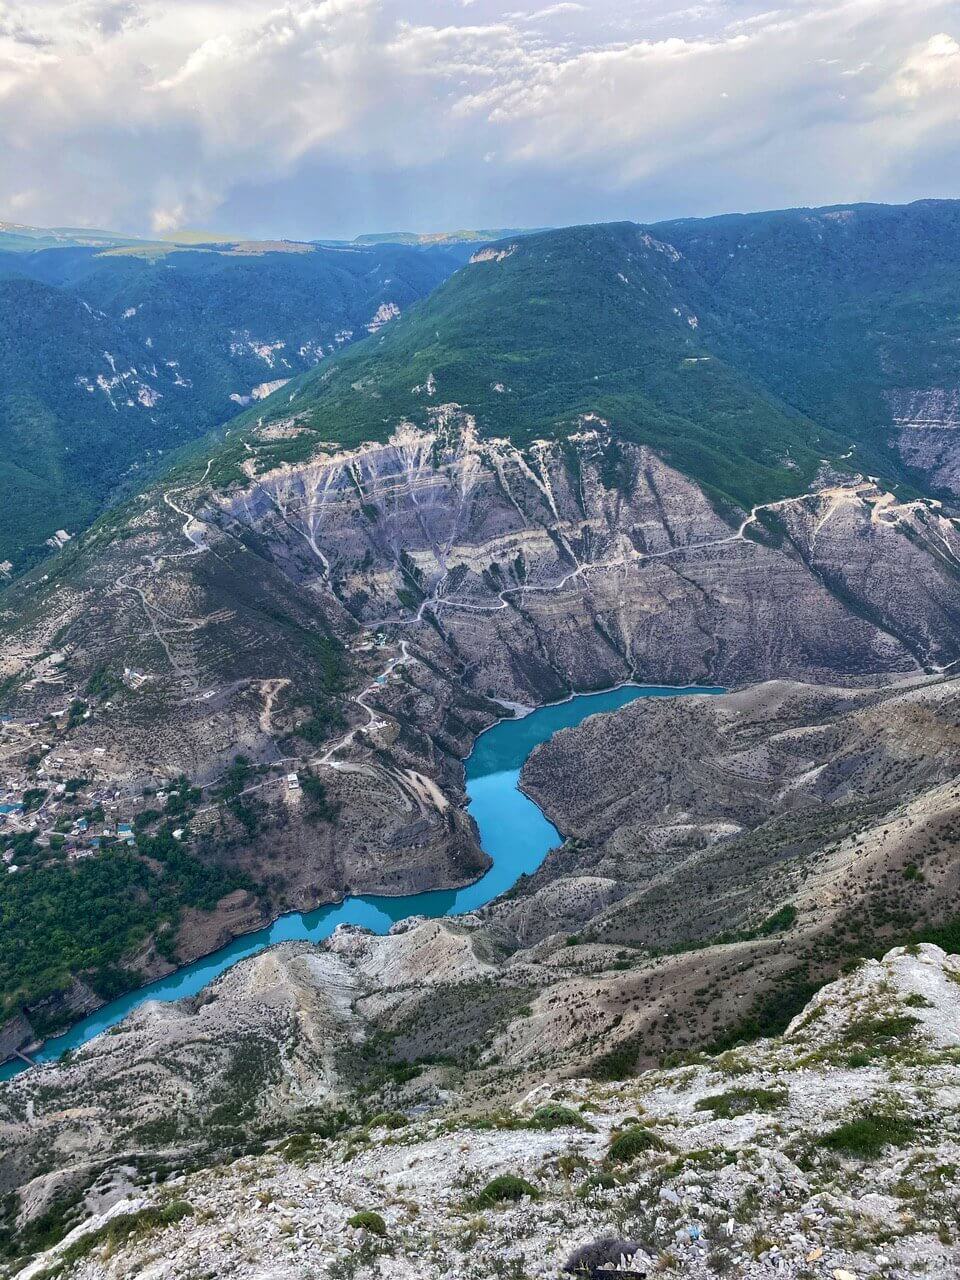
(60, 920)
(916, 1000)
(236, 776)
(119, 1230)
(319, 808)
(314, 1129)
(368, 1220)
(389, 1120)
(633, 1142)
(506, 1187)
(741, 1102)
(867, 1135)
(587, 320)
(554, 1115)
(771, 1012)
(779, 922)
(604, 1180)
(881, 1030)
(67, 450)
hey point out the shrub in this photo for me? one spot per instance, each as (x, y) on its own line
(389, 1120)
(605, 1252)
(603, 1181)
(123, 1227)
(867, 1135)
(506, 1187)
(879, 1030)
(918, 1001)
(554, 1115)
(368, 1220)
(632, 1143)
(741, 1102)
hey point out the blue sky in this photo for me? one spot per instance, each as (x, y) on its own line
(335, 117)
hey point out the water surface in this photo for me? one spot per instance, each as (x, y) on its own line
(513, 831)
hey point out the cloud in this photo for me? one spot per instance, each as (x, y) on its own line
(932, 69)
(329, 116)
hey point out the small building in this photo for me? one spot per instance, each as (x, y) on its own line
(125, 832)
(293, 782)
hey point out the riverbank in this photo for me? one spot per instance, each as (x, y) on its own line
(513, 831)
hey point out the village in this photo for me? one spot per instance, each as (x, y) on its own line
(57, 808)
(60, 802)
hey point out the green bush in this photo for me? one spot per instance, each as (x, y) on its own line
(125, 1226)
(503, 1188)
(741, 1102)
(389, 1120)
(631, 1143)
(867, 1135)
(553, 1115)
(368, 1220)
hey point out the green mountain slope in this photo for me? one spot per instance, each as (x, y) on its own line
(110, 361)
(835, 308)
(607, 321)
(745, 349)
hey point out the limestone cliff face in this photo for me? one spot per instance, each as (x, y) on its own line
(355, 615)
(591, 562)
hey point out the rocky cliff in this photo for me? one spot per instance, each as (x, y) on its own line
(352, 617)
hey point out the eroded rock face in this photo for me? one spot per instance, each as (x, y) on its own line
(780, 791)
(926, 423)
(354, 615)
(540, 573)
(257, 1045)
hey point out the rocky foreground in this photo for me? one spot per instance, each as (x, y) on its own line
(832, 1151)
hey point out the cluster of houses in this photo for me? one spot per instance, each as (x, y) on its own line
(71, 816)
(74, 818)
(57, 825)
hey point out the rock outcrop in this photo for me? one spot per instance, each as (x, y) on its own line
(829, 1152)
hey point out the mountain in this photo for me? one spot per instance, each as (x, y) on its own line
(15, 237)
(110, 361)
(561, 471)
(538, 332)
(438, 237)
(744, 349)
(850, 314)
(589, 457)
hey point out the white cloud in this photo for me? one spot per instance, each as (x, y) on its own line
(933, 68)
(326, 114)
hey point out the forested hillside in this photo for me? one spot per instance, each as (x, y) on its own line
(745, 349)
(111, 360)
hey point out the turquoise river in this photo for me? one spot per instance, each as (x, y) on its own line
(513, 831)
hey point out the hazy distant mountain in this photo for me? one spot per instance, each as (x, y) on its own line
(440, 237)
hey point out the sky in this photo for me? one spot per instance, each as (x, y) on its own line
(330, 118)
